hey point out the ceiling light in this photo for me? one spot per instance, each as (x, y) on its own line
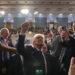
(9, 15)
(36, 12)
(24, 11)
(70, 14)
(40, 15)
(2, 12)
(30, 32)
(50, 14)
(20, 15)
(60, 15)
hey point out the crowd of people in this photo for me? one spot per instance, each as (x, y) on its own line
(49, 54)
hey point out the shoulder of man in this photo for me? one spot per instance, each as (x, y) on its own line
(71, 38)
(50, 57)
(29, 47)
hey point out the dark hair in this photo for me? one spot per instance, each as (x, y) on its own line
(48, 31)
(63, 27)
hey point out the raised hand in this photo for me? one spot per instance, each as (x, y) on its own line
(24, 27)
(72, 67)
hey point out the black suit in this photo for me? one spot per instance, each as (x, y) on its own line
(15, 65)
(34, 61)
(69, 46)
(4, 58)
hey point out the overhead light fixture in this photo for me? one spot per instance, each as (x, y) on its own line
(60, 15)
(30, 32)
(24, 11)
(70, 15)
(40, 15)
(9, 15)
(36, 12)
(19, 15)
(70, 18)
(2, 12)
(50, 14)
(50, 18)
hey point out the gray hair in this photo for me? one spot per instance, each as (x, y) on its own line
(4, 30)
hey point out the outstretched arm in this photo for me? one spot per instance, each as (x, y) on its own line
(7, 48)
(20, 45)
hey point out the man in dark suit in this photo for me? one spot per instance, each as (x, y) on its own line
(65, 50)
(4, 56)
(36, 62)
(16, 65)
(54, 43)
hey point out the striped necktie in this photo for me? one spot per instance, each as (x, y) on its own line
(45, 62)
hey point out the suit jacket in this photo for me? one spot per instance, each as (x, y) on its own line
(3, 63)
(54, 45)
(34, 62)
(69, 46)
(15, 65)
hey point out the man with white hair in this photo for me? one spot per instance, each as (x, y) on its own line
(4, 33)
(38, 41)
(36, 62)
(4, 56)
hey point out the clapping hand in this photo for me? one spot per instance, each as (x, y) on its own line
(72, 67)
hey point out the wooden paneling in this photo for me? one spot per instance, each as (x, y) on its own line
(36, 6)
(37, 0)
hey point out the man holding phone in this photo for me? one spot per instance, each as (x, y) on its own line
(36, 62)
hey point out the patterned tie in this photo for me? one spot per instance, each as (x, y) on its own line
(63, 51)
(22, 61)
(45, 62)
